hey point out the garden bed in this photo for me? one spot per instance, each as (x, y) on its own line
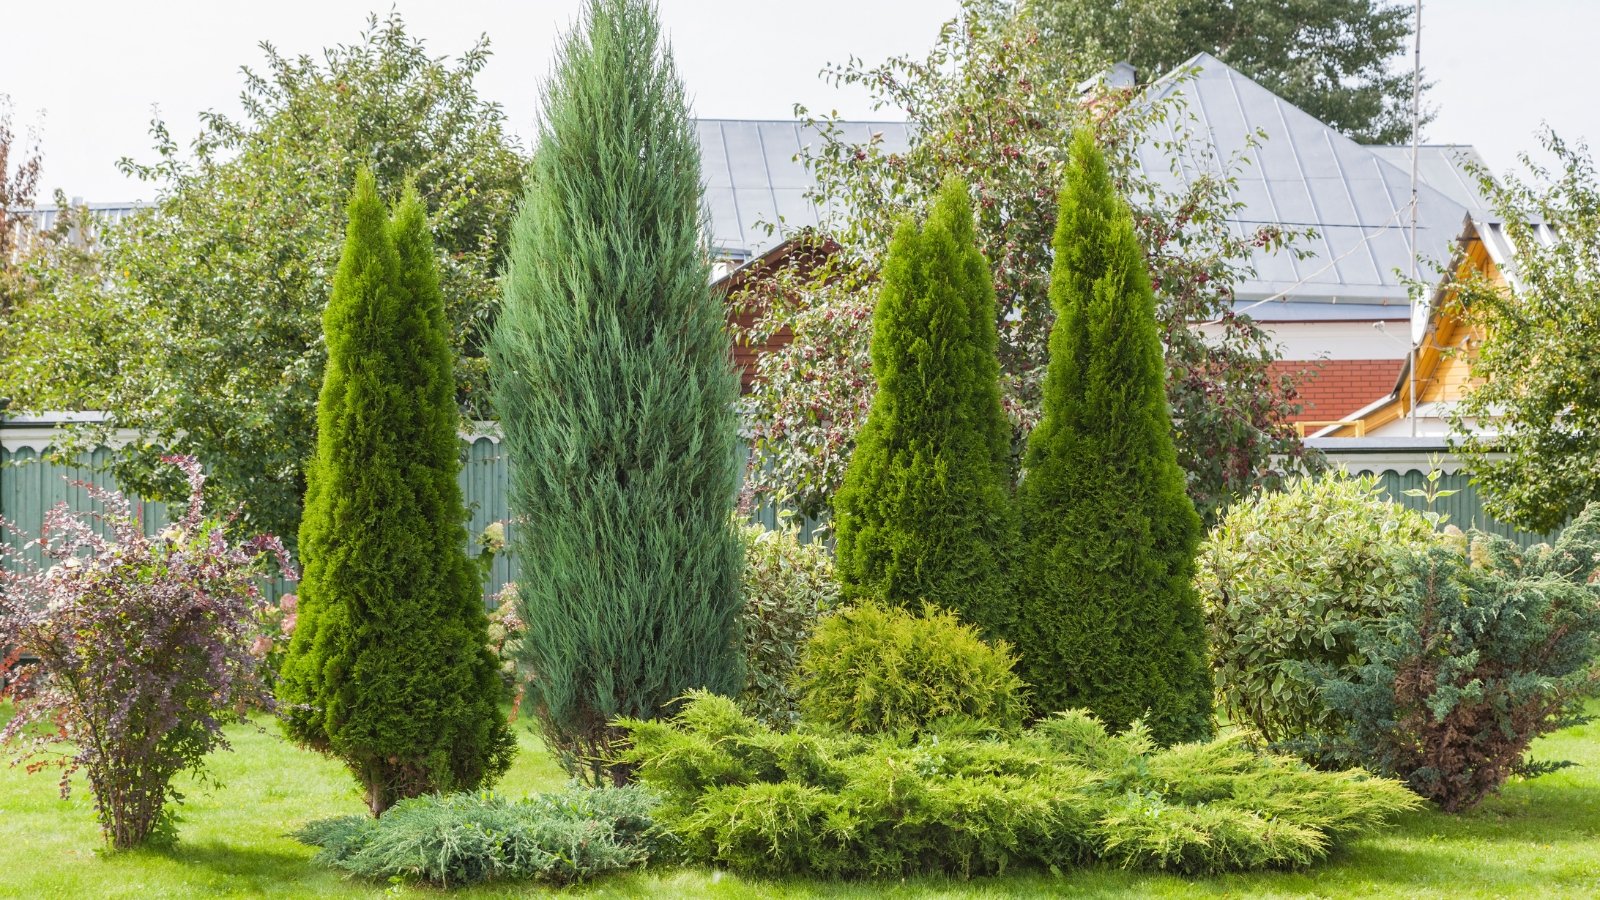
(1537, 838)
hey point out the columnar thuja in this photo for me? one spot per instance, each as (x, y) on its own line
(143, 648)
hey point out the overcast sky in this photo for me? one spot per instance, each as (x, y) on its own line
(89, 72)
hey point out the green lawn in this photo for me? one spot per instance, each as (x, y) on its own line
(1538, 839)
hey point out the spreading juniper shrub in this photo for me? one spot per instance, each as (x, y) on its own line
(454, 840)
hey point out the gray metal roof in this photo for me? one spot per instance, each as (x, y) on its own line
(1447, 168)
(1304, 174)
(754, 178)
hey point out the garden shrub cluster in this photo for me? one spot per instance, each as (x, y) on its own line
(1345, 629)
(1285, 578)
(786, 584)
(1490, 648)
(875, 668)
(1066, 792)
(463, 839)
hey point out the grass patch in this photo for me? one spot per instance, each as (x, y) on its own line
(1538, 838)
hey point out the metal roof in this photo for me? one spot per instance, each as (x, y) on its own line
(755, 179)
(1447, 168)
(1304, 175)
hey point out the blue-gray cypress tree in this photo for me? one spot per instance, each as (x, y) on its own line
(925, 511)
(389, 668)
(612, 375)
(1109, 616)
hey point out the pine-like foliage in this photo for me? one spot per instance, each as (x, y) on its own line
(1109, 616)
(614, 382)
(925, 512)
(389, 668)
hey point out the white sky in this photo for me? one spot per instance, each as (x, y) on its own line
(88, 72)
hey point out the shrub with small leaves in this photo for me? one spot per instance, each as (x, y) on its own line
(872, 668)
(506, 629)
(143, 646)
(1285, 578)
(455, 840)
(786, 584)
(1489, 648)
(824, 803)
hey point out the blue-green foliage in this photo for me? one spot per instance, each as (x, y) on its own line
(1489, 648)
(462, 839)
(613, 378)
(817, 802)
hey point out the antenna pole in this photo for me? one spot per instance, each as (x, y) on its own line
(1416, 273)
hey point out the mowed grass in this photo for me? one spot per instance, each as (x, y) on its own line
(1539, 838)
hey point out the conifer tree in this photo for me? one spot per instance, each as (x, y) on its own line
(1109, 615)
(925, 511)
(389, 668)
(614, 382)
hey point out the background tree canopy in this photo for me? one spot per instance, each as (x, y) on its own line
(1332, 58)
(994, 106)
(1535, 374)
(219, 291)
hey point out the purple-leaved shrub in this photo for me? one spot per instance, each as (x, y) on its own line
(125, 654)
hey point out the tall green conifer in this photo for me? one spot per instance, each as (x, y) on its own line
(389, 668)
(925, 511)
(613, 378)
(1109, 615)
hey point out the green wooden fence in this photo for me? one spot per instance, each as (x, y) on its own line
(31, 485)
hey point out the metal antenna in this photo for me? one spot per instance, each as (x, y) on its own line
(1416, 273)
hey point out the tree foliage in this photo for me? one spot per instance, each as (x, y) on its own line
(223, 283)
(20, 166)
(1109, 619)
(389, 668)
(994, 105)
(925, 515)
(1335, 59)
(1533, 376)
(615, 388)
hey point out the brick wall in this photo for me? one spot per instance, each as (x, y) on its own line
(1334, 388)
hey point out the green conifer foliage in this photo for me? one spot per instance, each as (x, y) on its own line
(389, 668)
(614, 382)
(1109, 615)
(925, 512)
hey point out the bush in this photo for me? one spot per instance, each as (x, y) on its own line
(737, 794)
(1285, 577)
(1108, 619)
(786, 585)
(506, 629)
(461, 839)
(924, 514)
(1487, 650)
(871, 669)
(143, 646)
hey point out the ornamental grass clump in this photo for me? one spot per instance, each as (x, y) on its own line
(820, 802)
(456, 840)
(143, 651)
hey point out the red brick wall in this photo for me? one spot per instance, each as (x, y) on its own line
(1334, 388)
